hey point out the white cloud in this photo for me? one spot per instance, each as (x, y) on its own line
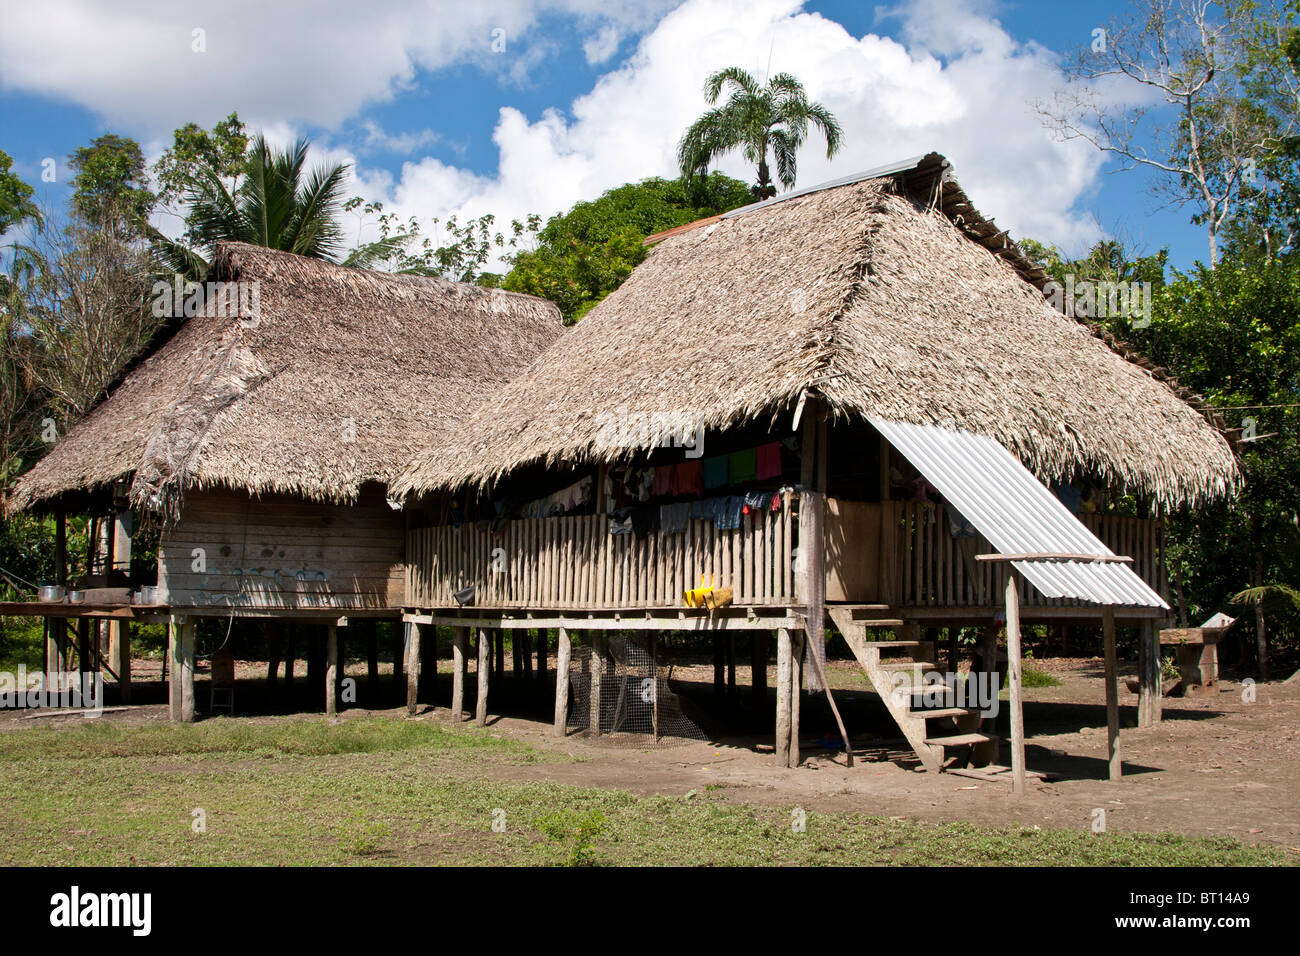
(310, 61)
(961, 86)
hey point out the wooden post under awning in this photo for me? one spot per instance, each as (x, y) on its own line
(563, 656)
(1112, 694)
(119, 632)
(459, 651)
(596, 683)
(480, 705)
(331, 669)
(1014, 683)
(783, 697)
(180, 653)
(412, 667)
(1149, 703)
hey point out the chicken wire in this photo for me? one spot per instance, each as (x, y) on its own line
(635, 705)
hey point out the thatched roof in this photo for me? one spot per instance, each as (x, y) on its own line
(887, 296)
(339, 376)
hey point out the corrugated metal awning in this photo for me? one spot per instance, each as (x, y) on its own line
(1017, 513)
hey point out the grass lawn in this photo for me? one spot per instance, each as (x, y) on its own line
(376, 791)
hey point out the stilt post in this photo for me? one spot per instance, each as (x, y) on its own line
(412, 667)
(1014, 682)
(459, 650)
(480, 705)
(1112, 694)
(563, 655)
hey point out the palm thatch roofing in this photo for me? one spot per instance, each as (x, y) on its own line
(885, 294)
(323, 382)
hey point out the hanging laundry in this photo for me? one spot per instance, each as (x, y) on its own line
(757, 501)
(768, 461)
(743, 466)
(620, 522)
(706, 509)
(662, 484)
(673, 518)
(729, 509)
(688, 478)
(644, 520)
(644, 483)
(716, 472)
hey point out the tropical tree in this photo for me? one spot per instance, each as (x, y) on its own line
(759, 120)
(275, 202)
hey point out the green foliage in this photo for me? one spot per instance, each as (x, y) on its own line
(195, 152)
(111, 184)
(757, 119)
(15, 197)
(577, 830)
(586, 253)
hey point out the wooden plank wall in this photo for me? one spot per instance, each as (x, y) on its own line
(938, 571)
(574, 562)
(280, 551)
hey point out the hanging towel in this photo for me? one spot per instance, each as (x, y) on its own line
(706, 509)
(673, 518)
(688, 478)
(663, 481)
(743, 465)
(729, 509)
(716, 472)
(768, 464)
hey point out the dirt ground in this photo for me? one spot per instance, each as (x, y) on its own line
(1215, 766)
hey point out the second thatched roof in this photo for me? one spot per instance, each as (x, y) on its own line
(331, 384)
(887, 296)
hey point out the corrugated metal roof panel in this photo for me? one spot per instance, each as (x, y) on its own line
(1017, 513)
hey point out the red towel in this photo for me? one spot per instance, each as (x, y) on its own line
(688, 478)
(663, 481)
(769, 461)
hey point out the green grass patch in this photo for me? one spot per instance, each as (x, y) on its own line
(300, 791)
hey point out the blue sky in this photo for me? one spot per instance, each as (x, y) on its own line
(516, 107)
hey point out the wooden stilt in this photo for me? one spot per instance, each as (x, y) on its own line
(174, 639)
(719, 664)
(180, 651)
(331, 669)
(1112, 694)
(525, 637)
(372, 658)
(596, 686)
(459, 650)
(399, 655)
(1014, 679)
(731, 665)
(1149, 703)
(412, 668)
(563, 655)
(783, 697)
(798, 646)
(543, 640)
(290, 651)
(497, 642)
(480, 706)
(758, 668)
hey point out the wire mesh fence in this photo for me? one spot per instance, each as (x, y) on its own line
(621, 694)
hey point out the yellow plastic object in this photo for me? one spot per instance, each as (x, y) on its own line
(695, 597)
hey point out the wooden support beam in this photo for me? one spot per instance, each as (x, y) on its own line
(480, 705)
(798, 645)
(119, 632)
(331, 670)
(1014, 683)
(758, 668)
(180, 653)
(563, 656)
(412, 668)
(596, 684)
(459, 652)
(399, 656)
(783, 697)
(731, 665)
(1149, 703)
(1112, 694)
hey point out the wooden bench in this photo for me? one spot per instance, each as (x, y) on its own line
(1197, 656)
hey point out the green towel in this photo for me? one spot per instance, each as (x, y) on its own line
(715, 472)
(744, 466)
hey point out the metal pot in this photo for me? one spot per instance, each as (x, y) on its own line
(76, 597)
(148, 594)
(52, 592)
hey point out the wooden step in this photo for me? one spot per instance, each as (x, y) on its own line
(961, 740)
(906, 665)
(942, 711)
(896, 645)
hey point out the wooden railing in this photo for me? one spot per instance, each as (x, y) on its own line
(932, 569)
(574, 562)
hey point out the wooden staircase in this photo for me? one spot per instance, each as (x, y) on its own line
(930, 720)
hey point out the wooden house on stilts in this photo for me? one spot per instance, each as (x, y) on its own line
(258, 433)
(851, 405)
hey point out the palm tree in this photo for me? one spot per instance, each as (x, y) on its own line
(757, 119)
(275, 203)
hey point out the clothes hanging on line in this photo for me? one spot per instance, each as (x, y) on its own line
(768, 461)
(717, 471)
(743, 466)
(673, 518)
